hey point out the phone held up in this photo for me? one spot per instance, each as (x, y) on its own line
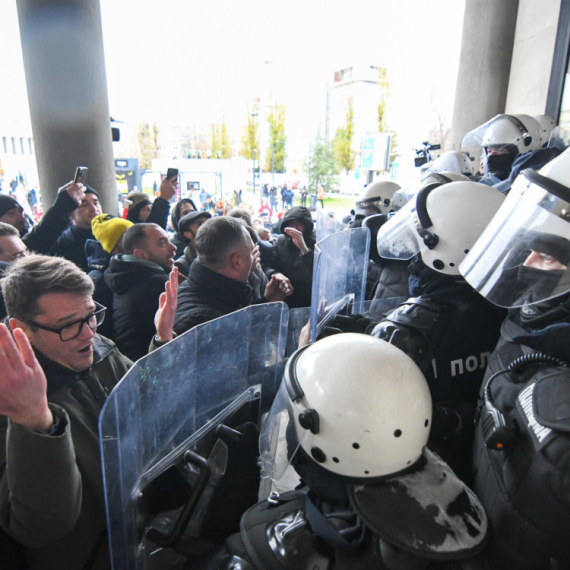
(80, 175)
(171, 173)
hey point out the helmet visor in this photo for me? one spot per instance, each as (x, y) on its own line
(524, 253)
(398, 238)
(279, 439)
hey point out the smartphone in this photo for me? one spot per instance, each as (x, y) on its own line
(171, 173)
(80, 174)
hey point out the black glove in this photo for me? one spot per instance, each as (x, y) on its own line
(348, 323)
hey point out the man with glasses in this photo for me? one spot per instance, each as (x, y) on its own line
(56, 374)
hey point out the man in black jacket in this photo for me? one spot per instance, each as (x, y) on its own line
(137, 279)
(54, 222)
(218, 280)
(71, 243)
(293, 255)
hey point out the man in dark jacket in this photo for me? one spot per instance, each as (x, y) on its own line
(54, 222)
(71, 243)
(293, 255)
(218, 280)
(137, 279)
(56, 375)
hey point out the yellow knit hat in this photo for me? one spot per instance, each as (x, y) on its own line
(108, 230)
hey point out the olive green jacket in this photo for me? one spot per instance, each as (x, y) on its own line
(51, 486)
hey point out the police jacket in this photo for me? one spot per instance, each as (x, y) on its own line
(449, 331)
(51, 486)
(71, 245)
(207, 295)
(525, 487)
(136, 286)
(286, 258)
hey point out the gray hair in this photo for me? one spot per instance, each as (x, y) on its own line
(218, 238)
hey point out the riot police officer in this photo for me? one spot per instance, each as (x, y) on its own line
(446, 327)
(355, 431)
(522, 442)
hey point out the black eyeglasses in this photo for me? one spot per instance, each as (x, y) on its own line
(73, 330)
(18, 254)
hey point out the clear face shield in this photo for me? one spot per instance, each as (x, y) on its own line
(398, 237)
(281, 436)
(523, 254)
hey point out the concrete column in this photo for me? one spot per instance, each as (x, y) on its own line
(484, 65)
(62, 46)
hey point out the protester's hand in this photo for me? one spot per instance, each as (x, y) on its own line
(75, 191)
(278, 288)
(168, 188)
(256, 258)
(298, 239)
(23, 384)
(305, 336)
(167, 303)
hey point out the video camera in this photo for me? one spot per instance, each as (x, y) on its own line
(424, 153)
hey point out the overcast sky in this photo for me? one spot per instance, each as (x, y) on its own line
(201, 62)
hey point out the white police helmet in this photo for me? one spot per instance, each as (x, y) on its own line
(359, 407)
(441, 223)
(377, 198)
(453, 161)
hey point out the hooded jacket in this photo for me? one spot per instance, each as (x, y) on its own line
(286, 258)
(178, 239)
(51, 486)
(136, 285)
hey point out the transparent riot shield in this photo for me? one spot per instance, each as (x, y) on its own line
(170, 428)
(327, 225)
(339, 276)
(298, 318)
(377, 308)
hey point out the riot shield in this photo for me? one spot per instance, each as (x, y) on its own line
(377, 308)
(327, 225)
(339, 276)
(298, 318)
(170, 425)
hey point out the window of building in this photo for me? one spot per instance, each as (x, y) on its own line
(5, 144)
(22, 145)
(31, 146)
(13, 145)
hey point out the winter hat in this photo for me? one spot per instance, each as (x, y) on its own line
(7, 203)
(91, 190)
(190, 218)
(135, 210)
(108, 230)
